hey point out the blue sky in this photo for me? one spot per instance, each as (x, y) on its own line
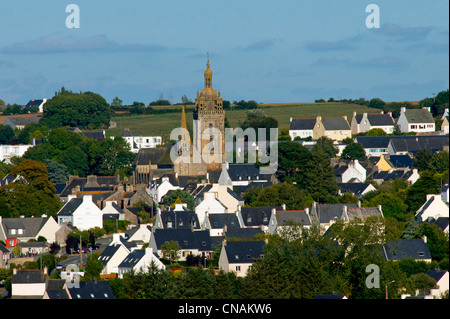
(268, 51)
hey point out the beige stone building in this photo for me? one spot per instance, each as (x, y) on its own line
(335, 128)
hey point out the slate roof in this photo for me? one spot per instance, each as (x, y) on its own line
(96, 289)
(132, 259)
(335, 123)
(186, 238)
(34, 103)
(242, 232)
(126, 132)
(401, 160)
(183, 219)
(387, 175)
(441, 222)
(414, 144)
(419, 116)
(302, 124)
(436, 274)
(244, 188)
(149, 155)
(363, 212)
(70, 207)
(30, 276)
(327, 212)
(220, 220)
(105, 182)
(257, 216)
(373, 141)
(243, 252)
(32, 226)
(376, 119)
(407, 248)
(297, 216)
(107, 253)
(24, 120)
(356, 188)
(244, 172)
(424, 208)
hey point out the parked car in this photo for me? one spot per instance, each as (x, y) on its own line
(93, 247)
(84, 250)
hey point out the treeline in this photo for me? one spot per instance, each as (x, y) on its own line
(299, 263)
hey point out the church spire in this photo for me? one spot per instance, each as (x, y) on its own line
(208, 75)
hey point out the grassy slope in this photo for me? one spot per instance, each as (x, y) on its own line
(162, 124)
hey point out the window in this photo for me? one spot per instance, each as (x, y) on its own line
(106, 295)
(12, 231)
(20, 231)
(238, 268)
(236, 256)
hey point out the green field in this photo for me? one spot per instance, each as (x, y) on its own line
(162, 124)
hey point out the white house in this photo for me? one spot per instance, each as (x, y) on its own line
(434, 207)
(141, 233)
(301, 128)
(113, 255)
(138, 142)
(217, 224)
(442, 282)
(8, 151)
(157, 191)
(238, 256)
(111, 208)
(364, 122)
(81, 212)
(282, 219)
(354, 172)
(416, 120)
(140, 261)
(211, 205)
(29, 283)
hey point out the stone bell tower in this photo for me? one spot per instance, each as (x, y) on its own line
(209, 115)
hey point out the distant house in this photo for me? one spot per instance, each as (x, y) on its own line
(81, 213)
(138, 142)
(16, 230)
(95, 289)
(364, 122)
(301, 128)
(327, 214)
(416, 120)
(177, 218)
(335, 128)
(257, 217)
(414, 144)
(434, 207)
(442, 281)
(114, 254)
(9, 151)
(148, 159)
(281, 219)
(361, 213)
(355, 173)
(445, 123)
(218, 223)
(5, 255)
(20, 122)
(244, 174)
(374, 145)
(91, 183)
(387, 162)
(211, 204)
(36, 103)
(29, 284)
(381, 176)
(140, 261)
(191, 242)
(441, 222)
(357, 189)
(416, 249)
(112, 211)
(238, 256)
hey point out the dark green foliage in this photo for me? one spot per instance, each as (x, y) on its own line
(186, 198)
(353, 151)
(84, 110)
(6, 134)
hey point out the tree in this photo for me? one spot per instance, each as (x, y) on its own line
(57, 173)
(422, 159)
(284, 193)
(116, 103)
(377, 103)
(376, 132)
(84, 110)
(93, 267)
(320, 182)
(171, 251)
(186, 198)
(392, 205)
(353, 151)
(293, 161)
(6, 134)
(327, 146)
(417, 193)
(185, 100)
(75, 160)
(32, 194)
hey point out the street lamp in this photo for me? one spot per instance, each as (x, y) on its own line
(387, 288)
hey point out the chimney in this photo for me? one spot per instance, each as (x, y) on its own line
(345, 117)
(403, 109)
(307, 211)
(283, 206)
(290, 120)
(390, 114)
(148, 251)
(424, 239)
(225, 228)
(266, 240)
(45, 270)
(382, 112)
(224, 243)
(428, 108)
(87, 198)
(359, 203)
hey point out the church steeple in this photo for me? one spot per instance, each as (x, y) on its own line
(208, 75)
